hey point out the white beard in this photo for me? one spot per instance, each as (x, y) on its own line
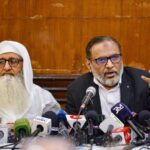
(107, 82)
(14, 98)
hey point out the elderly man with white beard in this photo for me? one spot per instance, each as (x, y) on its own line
(19, 96)
(112, 80)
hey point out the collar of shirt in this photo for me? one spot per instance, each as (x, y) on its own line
(108, 98)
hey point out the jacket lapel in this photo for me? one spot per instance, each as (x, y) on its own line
(96, 100)
(126, 90)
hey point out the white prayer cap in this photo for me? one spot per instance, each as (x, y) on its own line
(4, 48)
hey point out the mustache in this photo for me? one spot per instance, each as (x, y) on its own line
(111, 71)
(11, 74)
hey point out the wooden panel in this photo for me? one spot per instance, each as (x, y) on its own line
(130, 47)
(58, 40)
(135, 49)
(136, 8)
(101, 8)
(51, 43)
(38, 9)
(56, 84)
(56, 31)
(144, 53)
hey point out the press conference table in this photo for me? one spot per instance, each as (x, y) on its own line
(88, 147)
(112, 148)
(94, 147)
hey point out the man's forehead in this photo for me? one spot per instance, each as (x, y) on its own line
(105, 48)
(10, 55)
(107, 44)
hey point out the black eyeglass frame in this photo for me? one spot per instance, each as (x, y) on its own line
(104, 60)
(13, 62)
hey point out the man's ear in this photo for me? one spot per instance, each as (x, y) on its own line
(88, 64)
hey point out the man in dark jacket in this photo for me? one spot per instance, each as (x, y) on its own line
(113, 82)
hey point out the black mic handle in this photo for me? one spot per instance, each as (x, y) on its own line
(90, 128)
(82, 111)
(37, 131)
(140, 134)
(22, 134)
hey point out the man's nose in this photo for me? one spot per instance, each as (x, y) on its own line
(7, 66)
(109, 64)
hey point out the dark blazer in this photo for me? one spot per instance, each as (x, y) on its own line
(134, 92)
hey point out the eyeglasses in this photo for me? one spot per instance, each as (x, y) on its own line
(13, 62)
(104, 60)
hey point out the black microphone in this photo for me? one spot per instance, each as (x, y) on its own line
(92, 118)
(90, 93)
(77, 122)
(107, 137)
(51, 115)
(144, 121)
(144, 118)
(123, 113)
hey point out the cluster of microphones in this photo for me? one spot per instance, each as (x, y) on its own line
(123, 127)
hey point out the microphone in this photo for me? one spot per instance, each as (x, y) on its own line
(144, 118)
(22, 128)
(51, 115)
(61, 117)
(76, 121)
(3, 133)
(62, 120)
(112, 119)
(109, 129)
(121, 135)
(90, 93)
(40, 126)
(107, 138)
(123, 113)
(92, 120)
(93, 116)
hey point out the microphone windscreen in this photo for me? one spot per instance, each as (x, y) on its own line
(51, 115)
(22, 125)
(61, 117)
(122, 112)
(144, 117)
(93, 116)
(92, 90)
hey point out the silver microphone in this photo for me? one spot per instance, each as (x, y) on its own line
(90, 93)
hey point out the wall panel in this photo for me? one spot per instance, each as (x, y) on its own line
(56, 31)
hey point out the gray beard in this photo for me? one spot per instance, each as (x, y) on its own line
(107, 82)
(14, 98)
